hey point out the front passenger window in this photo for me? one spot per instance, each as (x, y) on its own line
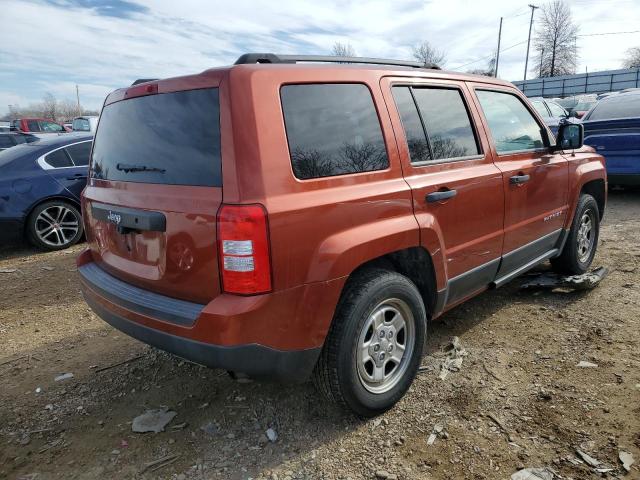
(512, 126)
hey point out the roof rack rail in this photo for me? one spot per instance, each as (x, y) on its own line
(143, 80)
(248, 58)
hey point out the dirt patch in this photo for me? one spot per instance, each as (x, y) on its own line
(519, 400)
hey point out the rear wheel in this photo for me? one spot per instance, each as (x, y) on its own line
(373, 350)
(54, 225)
(582, 242)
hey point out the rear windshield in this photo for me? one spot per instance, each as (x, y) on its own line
(170, 138)
(619, 106)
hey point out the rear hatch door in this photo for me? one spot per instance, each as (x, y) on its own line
(154, 190)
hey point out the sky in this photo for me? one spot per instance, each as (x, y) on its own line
(100, 45)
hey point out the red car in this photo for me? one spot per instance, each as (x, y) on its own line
(283, 220)
(37, 125)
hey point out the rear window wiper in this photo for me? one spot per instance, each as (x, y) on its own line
(127, 168)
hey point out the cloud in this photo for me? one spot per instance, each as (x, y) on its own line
(52, 45)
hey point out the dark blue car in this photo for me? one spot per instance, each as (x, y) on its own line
(612, 127)
(40, 186)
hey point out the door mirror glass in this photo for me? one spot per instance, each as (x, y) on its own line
(570, 136)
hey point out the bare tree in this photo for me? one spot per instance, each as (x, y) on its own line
(556, 40)
(67, 110)
(632, 60)
(425, 53)
(488, 71)
(343, 50)
(49, 106)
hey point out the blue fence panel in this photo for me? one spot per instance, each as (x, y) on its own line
(567, 85)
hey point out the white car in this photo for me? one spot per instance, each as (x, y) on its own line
(86, 123)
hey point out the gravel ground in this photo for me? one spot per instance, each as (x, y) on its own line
(519, 400)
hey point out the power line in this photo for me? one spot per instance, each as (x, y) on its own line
(489, 56)
(520, 43)
(606, 33)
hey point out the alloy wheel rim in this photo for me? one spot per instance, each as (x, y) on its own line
(586, 236)
(57, 225)
(385, 346)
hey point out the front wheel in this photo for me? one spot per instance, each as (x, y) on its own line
(582, 242)
(374, 347)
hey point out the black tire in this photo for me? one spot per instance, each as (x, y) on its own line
(574, 260)
(337, 375)
(61, 237)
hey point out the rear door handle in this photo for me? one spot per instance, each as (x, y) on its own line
(441, 195)
(519, 179)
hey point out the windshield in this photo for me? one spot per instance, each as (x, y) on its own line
(169, 138)
(618, 106)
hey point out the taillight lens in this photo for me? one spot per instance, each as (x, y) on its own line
(243, 249)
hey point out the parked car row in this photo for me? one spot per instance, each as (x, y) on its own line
(612, 127)
(579, 105)
(43, 126)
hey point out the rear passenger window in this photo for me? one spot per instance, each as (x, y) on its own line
(416, 139)
(58, 159)
(332, 129)
(80, 153)
(448, 134)
(512, 126)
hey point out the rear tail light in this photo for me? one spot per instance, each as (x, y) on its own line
(243, 249)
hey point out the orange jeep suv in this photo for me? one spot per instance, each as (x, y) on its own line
(288, 217)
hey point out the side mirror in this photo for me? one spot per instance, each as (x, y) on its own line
(570, 136)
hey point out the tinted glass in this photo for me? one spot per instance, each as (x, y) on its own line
(58, 159)
(51, 127)
(416, 139)
(6, 141)
(174, 136)
(512, 126)
(26, 138)
(81, 125)
(33, 125)
(447, 122)
(619, 106)
(332, 130)
(79, 153)
(556, 110)
(540, 108)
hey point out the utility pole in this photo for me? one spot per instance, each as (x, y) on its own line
(498, 52)
(78, 99)
(526, 62)
(541, 58)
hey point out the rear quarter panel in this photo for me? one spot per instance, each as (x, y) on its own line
(320, 229)
(584, 166)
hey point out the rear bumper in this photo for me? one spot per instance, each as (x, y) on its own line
(275, 336)
(623, 179)
(254, 360)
